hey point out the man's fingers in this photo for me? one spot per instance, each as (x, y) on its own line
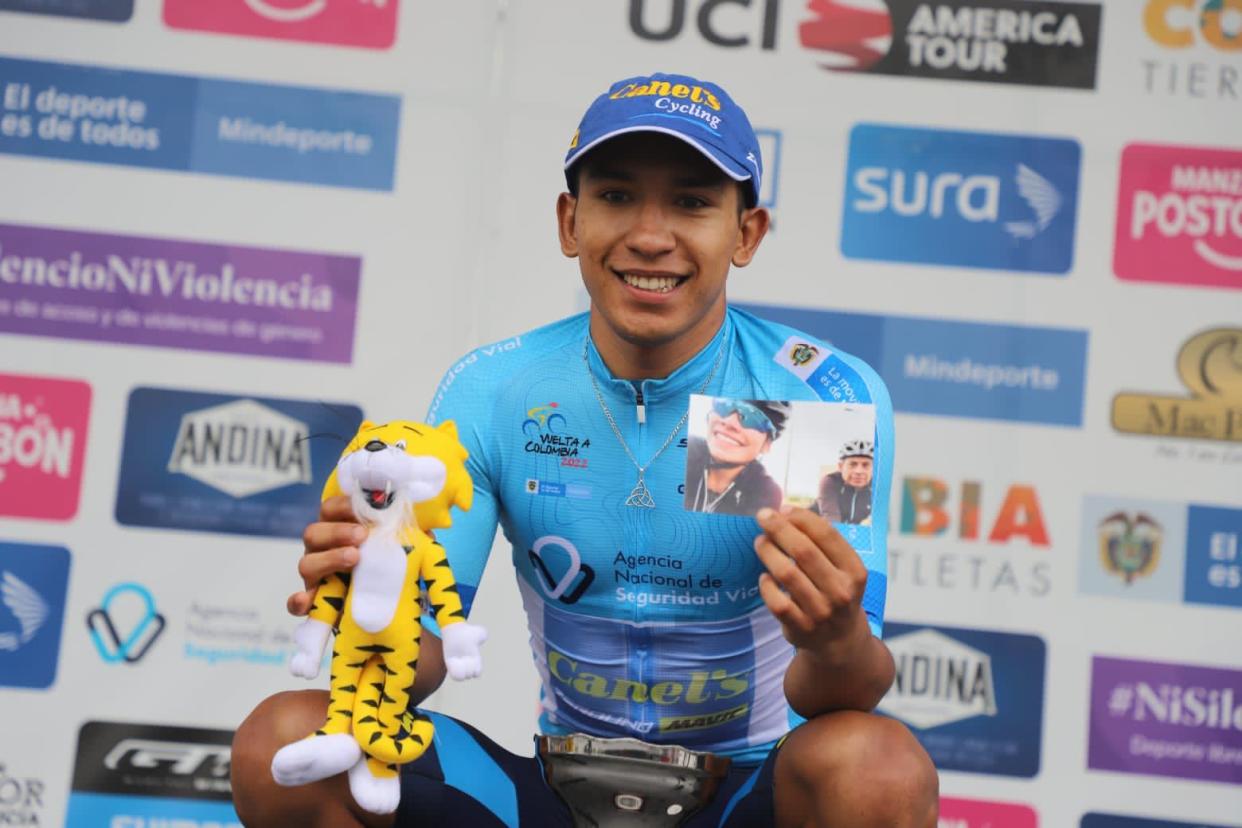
(799, 545)
(337, 510)
(315, 566)
(795, 581)
(299, 603)
(324, 535)
(826, 537)
(781, 605)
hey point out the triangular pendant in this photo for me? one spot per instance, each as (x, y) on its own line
(641, 496)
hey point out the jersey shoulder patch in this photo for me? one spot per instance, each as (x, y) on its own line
(782, 356)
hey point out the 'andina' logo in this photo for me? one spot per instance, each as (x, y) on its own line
(1179, 216)
(1210, 365)
(999, 41)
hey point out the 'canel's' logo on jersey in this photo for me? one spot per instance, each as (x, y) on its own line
(242, 448)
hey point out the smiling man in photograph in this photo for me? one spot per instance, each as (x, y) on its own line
(724, 474)
(755, 640)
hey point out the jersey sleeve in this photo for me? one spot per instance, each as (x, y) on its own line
(877, 561)
(464, 398)
(835, 376)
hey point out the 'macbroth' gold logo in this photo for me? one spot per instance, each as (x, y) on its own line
(1210, 365)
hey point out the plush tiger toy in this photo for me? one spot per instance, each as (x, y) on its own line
(402, 478)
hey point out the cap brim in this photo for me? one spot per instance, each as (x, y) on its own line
(736, 172)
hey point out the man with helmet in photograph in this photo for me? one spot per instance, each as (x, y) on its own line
(845, 494)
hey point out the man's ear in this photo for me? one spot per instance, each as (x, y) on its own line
(753, 226)
(566, 212)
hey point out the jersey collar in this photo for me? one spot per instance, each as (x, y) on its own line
(687, 379)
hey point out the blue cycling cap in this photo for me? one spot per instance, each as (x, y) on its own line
(697, 112)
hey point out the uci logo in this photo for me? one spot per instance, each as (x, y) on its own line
(705, 22)
(560, 590)
(138, 639)
(1173, 23)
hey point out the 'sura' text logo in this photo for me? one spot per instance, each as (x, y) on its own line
(961, 198)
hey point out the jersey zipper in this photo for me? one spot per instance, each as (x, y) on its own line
(640, 636)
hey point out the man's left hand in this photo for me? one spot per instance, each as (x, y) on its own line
(815, 580)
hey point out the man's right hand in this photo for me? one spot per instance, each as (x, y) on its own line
(331, 545)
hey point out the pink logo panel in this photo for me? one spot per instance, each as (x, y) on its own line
(977, 813)
(1179, 216)
(371, 24)
(42, 443)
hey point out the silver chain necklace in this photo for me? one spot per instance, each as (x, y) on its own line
(640, 495)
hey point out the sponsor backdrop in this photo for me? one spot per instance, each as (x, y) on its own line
(230, 229)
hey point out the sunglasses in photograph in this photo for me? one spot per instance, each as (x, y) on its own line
(750, 416)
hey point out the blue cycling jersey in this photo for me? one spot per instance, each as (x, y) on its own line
(644, 622)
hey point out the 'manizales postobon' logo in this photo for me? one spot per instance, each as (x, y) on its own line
(1210, 366)
(939, 681)
(242, 448)
(1130, 546)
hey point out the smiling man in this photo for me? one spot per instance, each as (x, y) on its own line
(752, 641)
(724, 474)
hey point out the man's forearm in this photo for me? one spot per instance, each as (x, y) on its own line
(851, 673)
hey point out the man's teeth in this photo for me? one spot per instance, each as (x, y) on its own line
(659, 284)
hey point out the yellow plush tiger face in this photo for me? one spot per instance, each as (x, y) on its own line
(391, 469)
